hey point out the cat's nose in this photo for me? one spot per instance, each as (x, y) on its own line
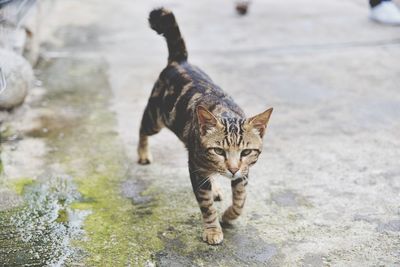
(233, 170)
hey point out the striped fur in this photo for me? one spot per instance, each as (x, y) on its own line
(218, 136)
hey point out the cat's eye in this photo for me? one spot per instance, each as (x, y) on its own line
(245, 152)
(219, 151)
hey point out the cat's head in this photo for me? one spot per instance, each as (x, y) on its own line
(232, 144)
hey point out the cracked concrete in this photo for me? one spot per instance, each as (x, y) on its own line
(325, 191)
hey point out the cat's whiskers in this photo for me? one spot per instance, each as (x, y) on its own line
(205, 180)
(196, 170)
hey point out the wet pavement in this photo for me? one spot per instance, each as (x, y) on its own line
(325, 192)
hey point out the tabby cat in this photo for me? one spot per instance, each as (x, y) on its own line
(218, 137)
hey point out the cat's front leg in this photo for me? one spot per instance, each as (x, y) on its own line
(202, 188)
(238, 200)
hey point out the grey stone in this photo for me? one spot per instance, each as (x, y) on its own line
(19, 77)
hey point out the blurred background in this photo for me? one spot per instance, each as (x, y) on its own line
(75, 77)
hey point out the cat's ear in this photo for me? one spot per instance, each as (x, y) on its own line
(206, 119)
(260, 121)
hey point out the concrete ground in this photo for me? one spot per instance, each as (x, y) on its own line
(325, 192)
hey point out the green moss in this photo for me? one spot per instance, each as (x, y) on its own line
(20, 184)
(6, 132)
(117, 235)
(62, 216)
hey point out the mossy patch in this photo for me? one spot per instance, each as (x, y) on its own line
(117, 232)
(117, 235)
(20, 184)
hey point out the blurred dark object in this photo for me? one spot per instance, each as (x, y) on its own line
(4, 2)
(242, 7)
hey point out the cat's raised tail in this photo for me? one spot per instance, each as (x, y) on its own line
(163, 22)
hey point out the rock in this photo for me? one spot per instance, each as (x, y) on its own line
(18, 76)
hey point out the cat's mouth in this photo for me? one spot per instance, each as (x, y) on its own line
(231, 176)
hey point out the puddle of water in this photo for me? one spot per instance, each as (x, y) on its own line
(393, 226)
(133, 189)
(52, 126)
(288, 198)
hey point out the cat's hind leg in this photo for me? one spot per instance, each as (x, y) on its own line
(150, 125)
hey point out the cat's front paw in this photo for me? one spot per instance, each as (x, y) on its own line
(213, 236)
(230, 215)
(144, 158)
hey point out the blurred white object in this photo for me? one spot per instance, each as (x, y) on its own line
(386, 13)
(16, 77)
